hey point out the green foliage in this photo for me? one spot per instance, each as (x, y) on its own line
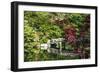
(77, 19)
(30, 42)
(39, 27)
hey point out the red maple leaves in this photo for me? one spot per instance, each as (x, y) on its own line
(70, 34)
